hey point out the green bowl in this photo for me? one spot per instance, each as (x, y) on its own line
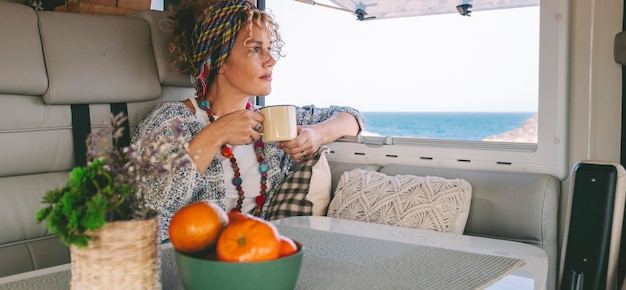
(282, 273)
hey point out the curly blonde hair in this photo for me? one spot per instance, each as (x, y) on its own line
(203, 32)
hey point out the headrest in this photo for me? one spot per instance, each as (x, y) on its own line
(21, 63)
(161, 53)
(94, 59)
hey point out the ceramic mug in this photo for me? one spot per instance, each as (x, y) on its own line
(279, 123)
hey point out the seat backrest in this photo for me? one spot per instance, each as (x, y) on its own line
(50, 62)
(520, 207)
(36, 145)
(174, 86)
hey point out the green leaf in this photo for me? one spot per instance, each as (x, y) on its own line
(53, 196)
(42, 213)
(77, 177)
(94, 214)
(106, 189)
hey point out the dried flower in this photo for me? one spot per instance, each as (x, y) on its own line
(36, 4)
(113, 185)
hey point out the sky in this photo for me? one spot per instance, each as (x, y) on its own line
(427, 63)
(487, 62)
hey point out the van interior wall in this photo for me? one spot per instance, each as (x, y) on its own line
(595, 88)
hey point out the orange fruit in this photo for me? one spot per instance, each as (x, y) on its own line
(248, 240)
(287, 247)
(237, 216)
(196, 227)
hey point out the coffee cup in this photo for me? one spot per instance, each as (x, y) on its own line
(280, 123)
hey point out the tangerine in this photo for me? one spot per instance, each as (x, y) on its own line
(248, 240)
(196, 227)
(237, 216)
(287, 247)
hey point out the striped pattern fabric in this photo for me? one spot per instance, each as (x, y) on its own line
(214, 36)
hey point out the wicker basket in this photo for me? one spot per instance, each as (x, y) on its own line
(122, 255)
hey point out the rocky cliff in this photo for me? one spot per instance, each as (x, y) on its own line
(526, 134)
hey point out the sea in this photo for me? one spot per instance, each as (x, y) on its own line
(443, 125)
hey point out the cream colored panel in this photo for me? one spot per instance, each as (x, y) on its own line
(96, 59)
(21, 198)
(28, 113)
(158, 26)
(22, 69)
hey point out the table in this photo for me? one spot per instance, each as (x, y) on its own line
(377, 255)
(533, 274)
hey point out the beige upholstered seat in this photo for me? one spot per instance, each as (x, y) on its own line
(48, 62)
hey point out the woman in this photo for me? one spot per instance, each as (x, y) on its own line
(229, 49)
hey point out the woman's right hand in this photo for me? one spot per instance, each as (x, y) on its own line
(238, 128)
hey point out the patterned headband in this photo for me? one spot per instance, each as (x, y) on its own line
(214, 36)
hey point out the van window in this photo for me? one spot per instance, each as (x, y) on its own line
(438, 81)
(442, 76)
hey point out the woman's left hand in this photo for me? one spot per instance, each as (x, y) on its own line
(305, 144)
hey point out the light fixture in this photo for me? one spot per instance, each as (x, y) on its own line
(359, 10)
(383, 9)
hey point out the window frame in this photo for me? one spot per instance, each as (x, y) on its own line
(548, 155)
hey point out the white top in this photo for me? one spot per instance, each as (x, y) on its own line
(248, 167)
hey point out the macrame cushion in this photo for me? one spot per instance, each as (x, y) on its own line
(423, 202)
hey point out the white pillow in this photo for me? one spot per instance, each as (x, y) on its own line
(319, 186)
(424, 202)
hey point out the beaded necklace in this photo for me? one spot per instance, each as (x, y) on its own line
(237, 181)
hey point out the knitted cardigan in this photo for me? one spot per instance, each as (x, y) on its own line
(167, 195)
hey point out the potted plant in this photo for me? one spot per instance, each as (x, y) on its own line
(100, 212)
